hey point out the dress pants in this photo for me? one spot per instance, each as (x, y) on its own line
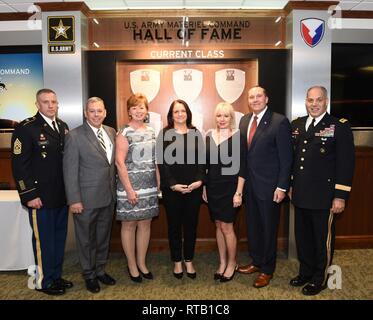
(49, 231)
(315, 236)
(262, 219)
(182, 212)
(92, 233)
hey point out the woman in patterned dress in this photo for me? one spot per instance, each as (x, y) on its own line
(137, 187)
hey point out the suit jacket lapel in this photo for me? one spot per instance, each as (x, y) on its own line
(93, 139)
(263, 125)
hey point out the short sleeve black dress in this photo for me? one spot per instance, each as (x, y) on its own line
(223, 170)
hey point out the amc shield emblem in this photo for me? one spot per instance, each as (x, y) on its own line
(312, 31)
(187, 84)
(146, 81)
(230, 84)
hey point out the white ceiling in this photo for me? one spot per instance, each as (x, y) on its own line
(25, 5)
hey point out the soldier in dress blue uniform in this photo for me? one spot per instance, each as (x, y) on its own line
(323, 169)
(37, 150)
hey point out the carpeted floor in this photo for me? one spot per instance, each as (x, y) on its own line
(356, 265)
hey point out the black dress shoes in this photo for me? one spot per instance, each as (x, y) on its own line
(137, 279)
(63, 283)
(92, 285)
(106, 279)
(312, 289)
(53, 290)
(298, 281)
(192, 275)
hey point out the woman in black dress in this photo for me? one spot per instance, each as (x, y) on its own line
(225, 181)
(182, 170)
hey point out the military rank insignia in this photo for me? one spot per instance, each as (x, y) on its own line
(343, 120)
(17, 147)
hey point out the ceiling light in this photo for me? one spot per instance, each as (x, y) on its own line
(278, 43)
(96, 44)
(278, 19)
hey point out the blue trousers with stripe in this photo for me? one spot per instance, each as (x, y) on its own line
(49, 228)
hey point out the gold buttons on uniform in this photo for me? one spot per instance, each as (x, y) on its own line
(305, 141)
(301, 159)
(303, 150)
(301, 167)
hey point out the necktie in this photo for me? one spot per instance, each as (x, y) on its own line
(252, 130)
(312, 125)
(54, 126)
(101, 139)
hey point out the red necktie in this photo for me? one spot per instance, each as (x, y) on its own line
(252, 130)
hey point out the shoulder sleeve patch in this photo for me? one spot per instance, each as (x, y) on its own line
(343, 120)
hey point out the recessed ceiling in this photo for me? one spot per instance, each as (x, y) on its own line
(25, 5)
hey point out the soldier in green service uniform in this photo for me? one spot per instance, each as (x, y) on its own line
(37, 151)
(322, 175)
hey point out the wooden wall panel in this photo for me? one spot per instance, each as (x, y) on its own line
(354, 227)
(6, 177)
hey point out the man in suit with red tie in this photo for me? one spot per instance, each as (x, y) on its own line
(268, 155)
(322, 176)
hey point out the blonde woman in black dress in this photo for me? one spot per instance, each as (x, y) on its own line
(223, 190)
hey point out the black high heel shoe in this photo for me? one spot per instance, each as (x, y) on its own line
(226, 279)
(217, 276)
(191, 275)
(148, 275)
(137, 279)
(178, 275)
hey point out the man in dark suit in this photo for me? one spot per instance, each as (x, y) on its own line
(89, 172)
(268, 155)
(37, 150)
(322, 177)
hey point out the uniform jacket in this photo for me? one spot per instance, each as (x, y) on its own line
(323, 162)
(89, 177)
(269, 157)
(37, 152)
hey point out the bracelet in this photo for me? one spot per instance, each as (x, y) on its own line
(239, 194)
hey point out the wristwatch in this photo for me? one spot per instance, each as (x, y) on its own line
(239, 194)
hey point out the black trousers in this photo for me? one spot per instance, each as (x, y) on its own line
(262, 219)
(182, 217)
(315, 237)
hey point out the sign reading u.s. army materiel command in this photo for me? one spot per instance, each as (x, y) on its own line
(61, 34)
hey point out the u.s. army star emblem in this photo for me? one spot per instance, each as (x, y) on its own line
(17, 147)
